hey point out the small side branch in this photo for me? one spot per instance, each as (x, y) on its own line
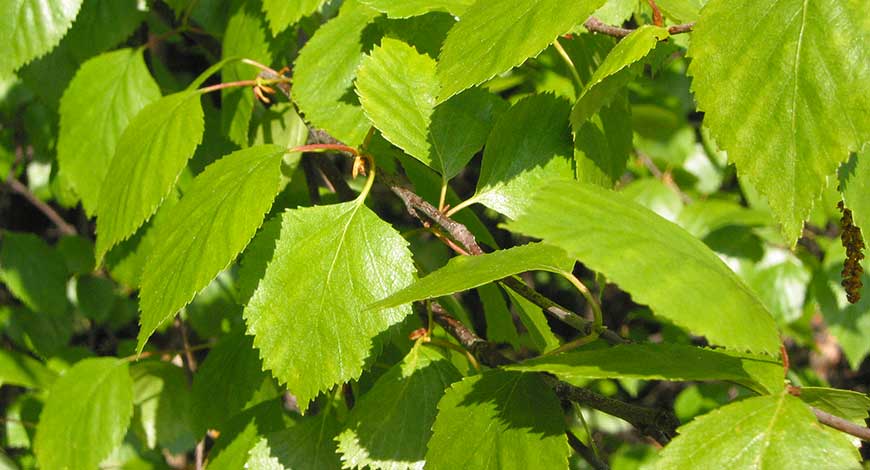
(19, 188)
(595, 25)
(841, 424)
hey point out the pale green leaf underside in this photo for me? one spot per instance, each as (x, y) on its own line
(499, 420)
(308, 316)
(530, 144)
(764, 433)
(784, 93)
(309, 443)
(467, 272)
(86, 415)
(324, 73)
(23, 370)
(283, 13)
(662, 362)
(615, 71)
(494, 36)
(206, 230)
(391, 424)
(409, 8)
(30, 28)
(150, 155)
(632, 246)
(397, 89)
(106, 93)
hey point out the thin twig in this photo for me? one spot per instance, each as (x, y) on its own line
(840, 424)
(62, 225)
(587, 453)
(657, 14)
(597, 26)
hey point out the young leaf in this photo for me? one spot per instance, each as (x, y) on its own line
(150, 155)
(785, 95)
(662, 362)
(409, 8)
(189, 251)
(24, 371)
(506, 420)
(86, 415)
(494, 36)
(308, 315)
(773, 431)
(106, 93)
(854, 406)
(467, 272)
(632, 245)
(325, 70)
(615, 72)
(33, 272)
(397, 89)
(391, 424)
(30, 28)
(281, 13)
(227, 382)
(529, 145)
(309, 443)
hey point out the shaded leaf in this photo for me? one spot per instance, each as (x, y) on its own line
(855, 185)
(338, 259)
(789, 112)
(190, 251)
(494, 36)
(150, 155)
(500, 326)
(162, 399)
(768, 432)
(86, 415)
(242, 432)
(23, 370)
(106, 93)
(504, 420)
(390, 425)
(33, 272)
(535, 322)
(467, 272)
(662, 362)
(631, 245)
(307, 444)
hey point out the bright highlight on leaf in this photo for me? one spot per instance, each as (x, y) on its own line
(86, 415)
(633, 246)
(505, 420)
(467, 272)
(784, 94)
(189, 251)
(106, 93)
(768, 432)
(494, 36)
(308, 315)
(30, 28)
(151, 153)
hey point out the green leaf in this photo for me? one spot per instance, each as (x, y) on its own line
(96, 296)
(33, 272)
(467, 272)
(86, 415)
(632, 246)
(500, 327)
(792, 109)
(325, 70)
(392, 422)
(504, 420)
(30, 28)
(409, 8)
(162, 399)
(397, 89)
(78, 252)
(847, 404)
(620, 65)
(684, 11)
(24, 371)
(603, 143)
(535, 322)
(768, 432)
(281, 13)
(150, 155)
(190, 252)
(673, 362)
(529, 145)
(242, 432)
(494, 36)
(704, 217)
(855, 185)
(106, 93)
(338, 259)
(848, 323)
(227, 382)
(307, 444)
(256, 258)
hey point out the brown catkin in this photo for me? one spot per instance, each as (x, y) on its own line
(852, 240)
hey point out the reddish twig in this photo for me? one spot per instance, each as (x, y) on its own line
(840, 424)
(657, 14)
(597, 26)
